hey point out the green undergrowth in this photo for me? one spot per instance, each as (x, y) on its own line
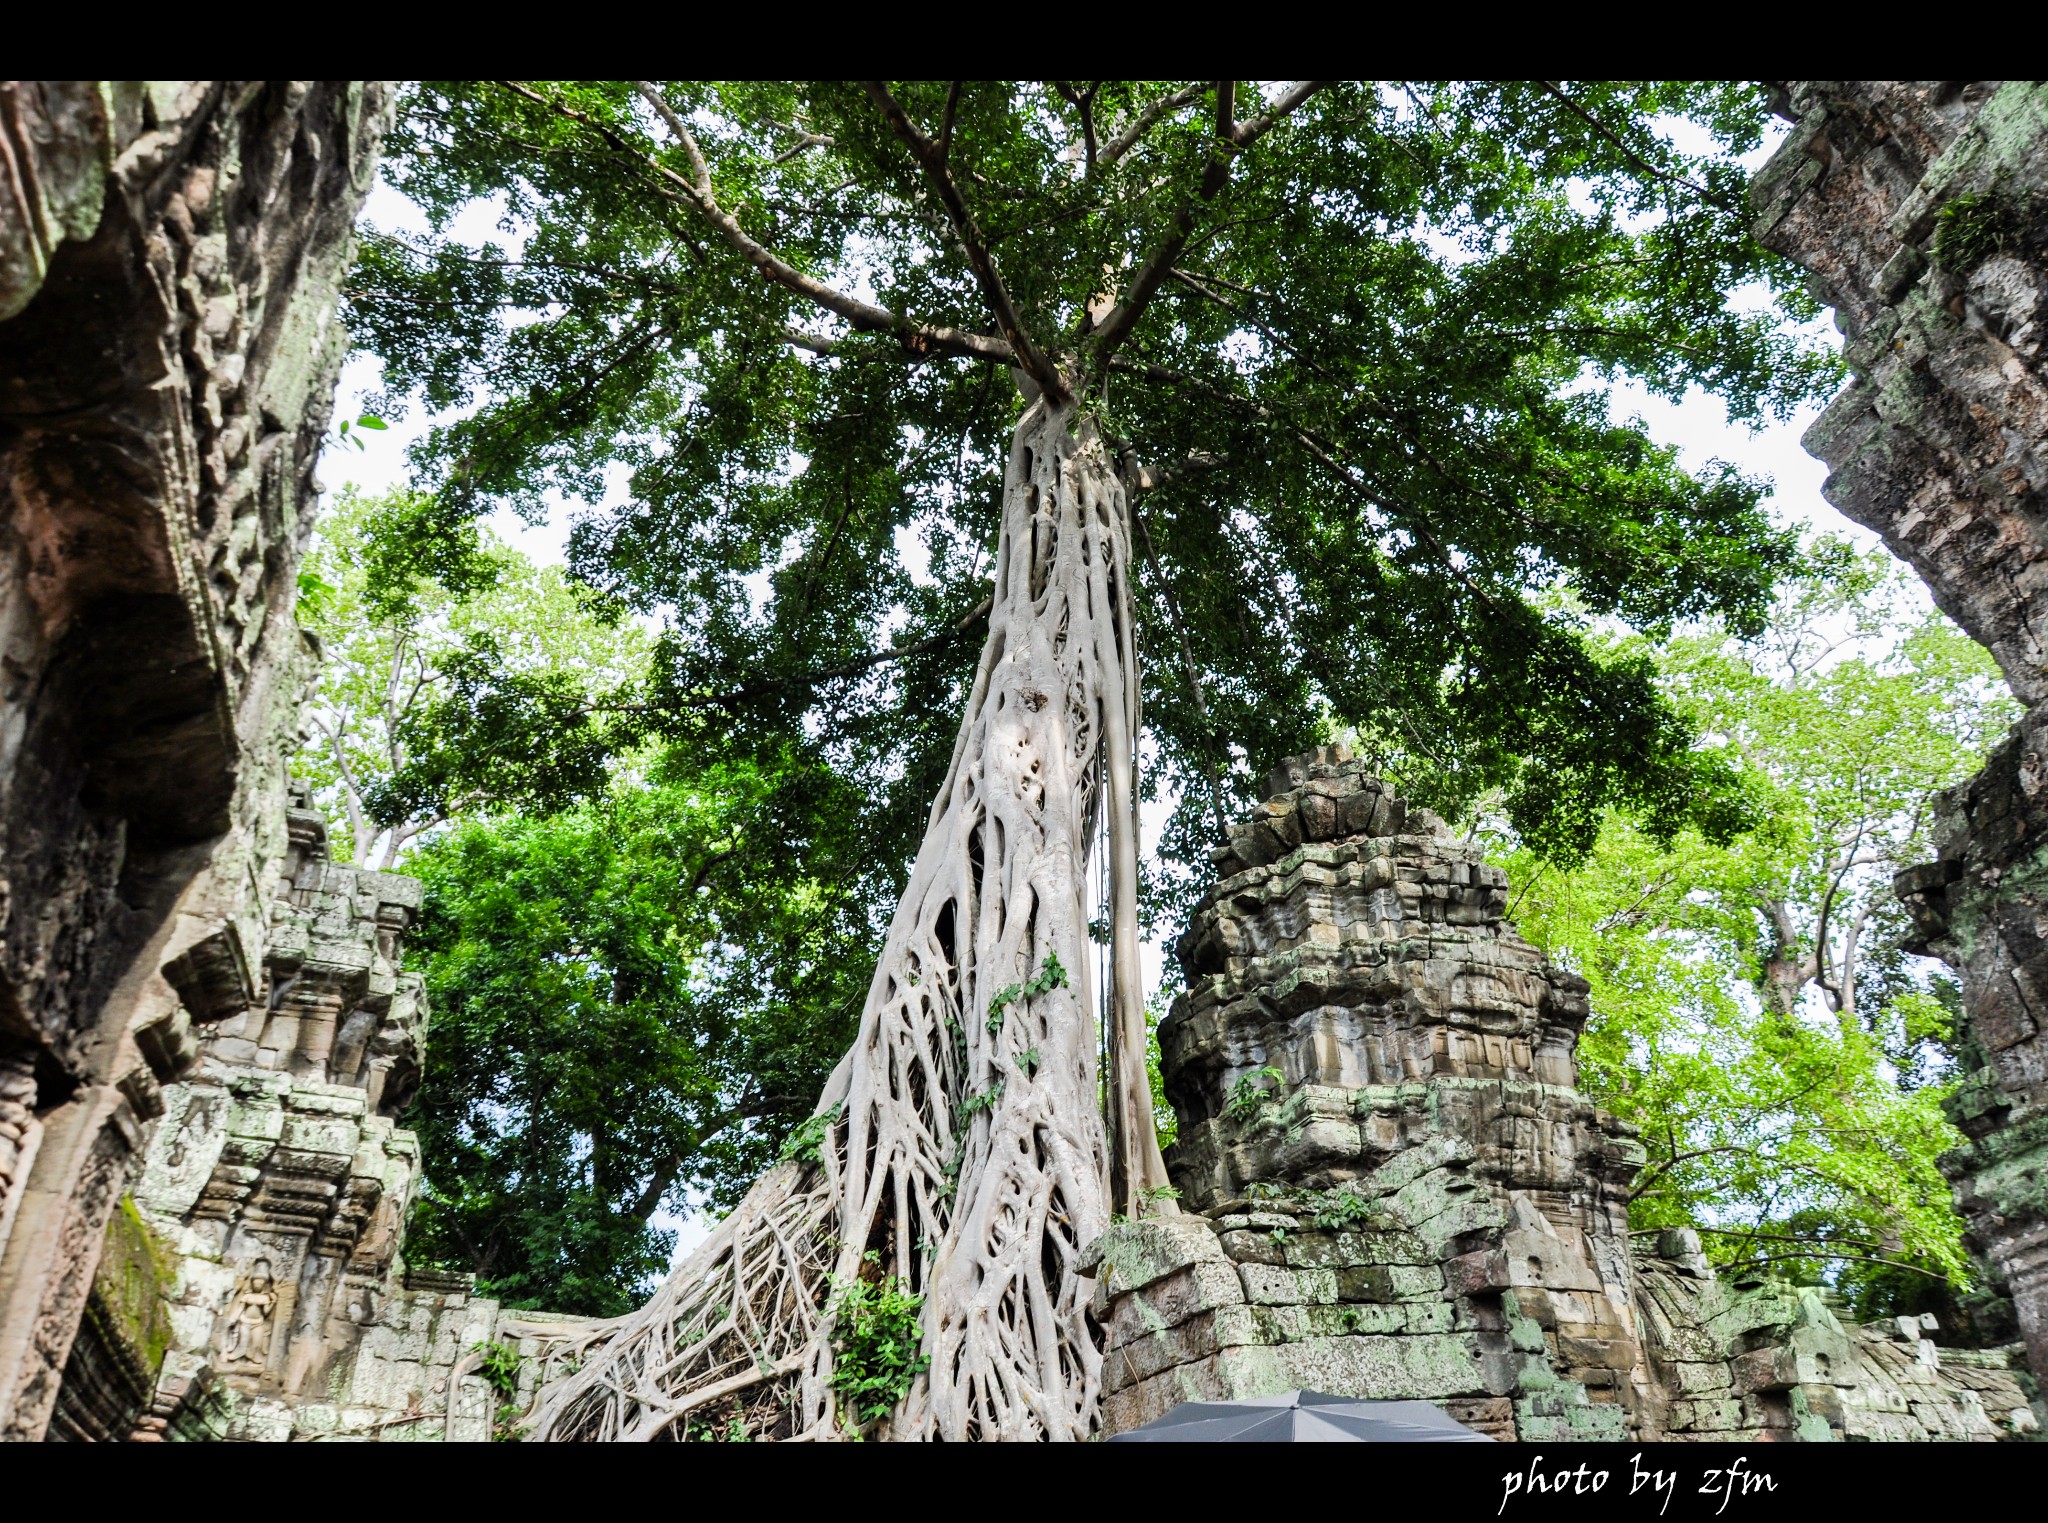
(134, 1281)
(875, 1338)
(499, 1367)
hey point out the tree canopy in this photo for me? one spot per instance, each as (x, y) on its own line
(401, 658)
(1754, 1012)
(633, 999)
(632, 1006)
(1349, 337)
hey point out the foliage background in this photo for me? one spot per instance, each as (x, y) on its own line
(1450, 324)
(1755, 1012)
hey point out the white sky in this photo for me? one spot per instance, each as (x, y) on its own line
(1697, 427)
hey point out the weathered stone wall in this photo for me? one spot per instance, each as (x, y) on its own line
(170, 259)
(1402, 1194)
(1922, 210)
(276, 1189)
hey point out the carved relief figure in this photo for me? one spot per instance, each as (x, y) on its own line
(198, 1121)
(246, 1337)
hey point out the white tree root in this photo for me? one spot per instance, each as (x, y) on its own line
(967, 1154)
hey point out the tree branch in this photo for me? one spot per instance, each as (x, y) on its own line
(665, 1172)
(1633, 913)
(805, 140)
(1187, 655)
(1628, 153)
(1822, 952)
(1150, 478)
(1083, 101)
(1232, 138)
(931, 157)
(1852, 1258)
(695, 191)
(1143, 122)
(1658, 1170)
(349, 794)
(945, 143)
(1291, 101)
(1197, 284)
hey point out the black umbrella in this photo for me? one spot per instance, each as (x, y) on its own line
(1303, 1417)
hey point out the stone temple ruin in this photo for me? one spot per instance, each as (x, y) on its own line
(1396, 1189)
(203, 1038)
(1393, 1187)
(276, 1193)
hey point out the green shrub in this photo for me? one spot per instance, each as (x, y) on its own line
(1250, 1096)
(875, 1355)
(1972, 228)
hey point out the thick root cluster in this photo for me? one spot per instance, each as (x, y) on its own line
(965, 1159)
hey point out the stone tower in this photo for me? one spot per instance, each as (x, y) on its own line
(1358, 949)
(1399, 1192)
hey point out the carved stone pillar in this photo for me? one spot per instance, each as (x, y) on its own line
(318, 1010)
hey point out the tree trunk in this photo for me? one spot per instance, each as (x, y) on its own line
(1785, 969)
(959, 1147)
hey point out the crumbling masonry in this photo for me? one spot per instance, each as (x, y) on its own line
(170, 257)
(1922, 210)
(1398, 1190)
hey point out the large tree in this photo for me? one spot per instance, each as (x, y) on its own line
(402, 659)
(633, 1002)
(1305, 403)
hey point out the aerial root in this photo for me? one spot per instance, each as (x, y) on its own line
(968, 1157)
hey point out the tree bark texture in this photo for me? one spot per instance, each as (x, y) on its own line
(1919, 208)
(963, 1153)
(171, 255)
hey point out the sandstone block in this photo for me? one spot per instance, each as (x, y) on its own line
(1765, 1369)
(1386, 1368)
(1131, 1255)
(1477, 1274)
(1248, 1247)
(1198, 1287)
(1267, 1285)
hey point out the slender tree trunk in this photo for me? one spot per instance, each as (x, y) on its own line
(1785, 970)
(960, 1148)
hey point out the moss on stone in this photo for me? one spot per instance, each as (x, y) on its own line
(1972, 228)
(134, 1282)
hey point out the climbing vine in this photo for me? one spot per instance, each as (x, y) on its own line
(875, 1343)
(499, 1363)
(805, 1143)
(1050, 977)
